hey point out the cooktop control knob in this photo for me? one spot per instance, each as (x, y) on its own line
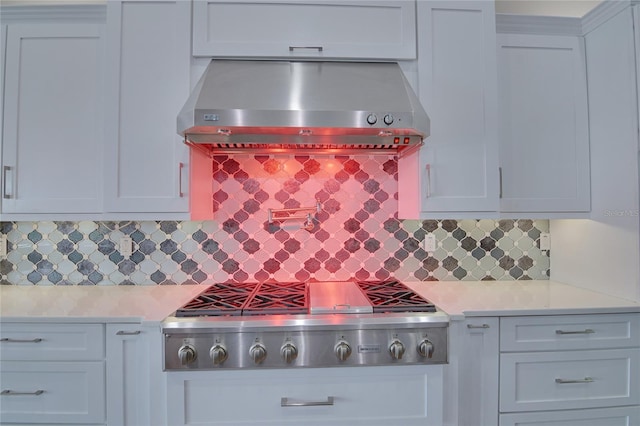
(218, 354)
(425, 348)
(342, 350)
(372, 119)
(258, 353)
(187, 354)
(388, 119)
(396, 349)
(289, 352)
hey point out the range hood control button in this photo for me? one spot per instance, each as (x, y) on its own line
(187, 354)
(342, 350)
(372, 119)
(258, 353)
(425, 348)
(388, 119)
(289, 352)
(218, 354)
(396, 349)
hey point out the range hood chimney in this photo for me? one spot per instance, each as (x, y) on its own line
(249, 104)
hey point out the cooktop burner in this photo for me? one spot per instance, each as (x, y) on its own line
(393, 296)
(278, 298)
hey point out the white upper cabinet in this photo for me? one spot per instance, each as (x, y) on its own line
(307, 29)
(456, 171)
(544, 128)
(53, 119)
(148, 65)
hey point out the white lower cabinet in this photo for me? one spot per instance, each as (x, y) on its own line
(406, 395)
(52, 373)
(570, 370)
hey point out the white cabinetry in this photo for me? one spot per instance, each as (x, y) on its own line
(148, 68)
(569, 363)
(544, 129)
(456, 171)
(361, 395)
(53, 118)
(52, 373)
(307, 29)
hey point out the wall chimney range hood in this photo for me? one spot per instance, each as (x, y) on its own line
(283, 105)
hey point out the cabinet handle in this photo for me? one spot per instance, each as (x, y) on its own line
(478, 326)
(8, 340)
(565, 381)
(500, 181)
(10, 392)
(318, 48)
(286, 402)
(180, 168)
(128, 333)
(428, 170)
(587, 331)
(5, 192)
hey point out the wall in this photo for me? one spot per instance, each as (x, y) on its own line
(355, 235)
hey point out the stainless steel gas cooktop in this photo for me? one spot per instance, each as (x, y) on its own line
(295, 324)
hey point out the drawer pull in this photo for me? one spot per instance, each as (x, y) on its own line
(286, 402)
(587, 331)
(565, 382)
(477, 326)
(8, 340)
(318, 48)
(10, 392)
(128, 333)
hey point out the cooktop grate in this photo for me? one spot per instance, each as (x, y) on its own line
(219, 299)
(393, 296)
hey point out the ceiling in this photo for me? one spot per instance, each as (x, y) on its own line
(571, 8)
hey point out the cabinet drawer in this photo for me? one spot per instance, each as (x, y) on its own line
(569, 380)
(360, 395)
(567, 332)
(314, 29)
(619, 416)
(56, 392)
(51, 342)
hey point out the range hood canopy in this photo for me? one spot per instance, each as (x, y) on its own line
(242, 104)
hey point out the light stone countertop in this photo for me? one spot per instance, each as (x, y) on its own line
(461, 299)
(153, 303)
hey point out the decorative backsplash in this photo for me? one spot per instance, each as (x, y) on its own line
(356, 234)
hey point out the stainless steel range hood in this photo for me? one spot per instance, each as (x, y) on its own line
(242, 104)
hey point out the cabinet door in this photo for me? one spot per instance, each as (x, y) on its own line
(544, 138)
(458, 168)
(148, 82)
(478, 392)
(127, 389)
(52, 135)
(310, 29)
(619, 416)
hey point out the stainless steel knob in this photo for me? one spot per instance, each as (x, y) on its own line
(289, 352)
(396, 349)
(388, 119)
(218, 354)
(372, 119)
(342, 350)
(425, 348)
(187, 354)
(258, 353)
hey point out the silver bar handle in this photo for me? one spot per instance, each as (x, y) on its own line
(128, 333)
(6, 194)
(570, 381)
(10, 392)
(477, 326)
(428, 170)
(9, 340)
(286, 402)
(587, 331)
(500, 181)
(180, 168)
(318, 48)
